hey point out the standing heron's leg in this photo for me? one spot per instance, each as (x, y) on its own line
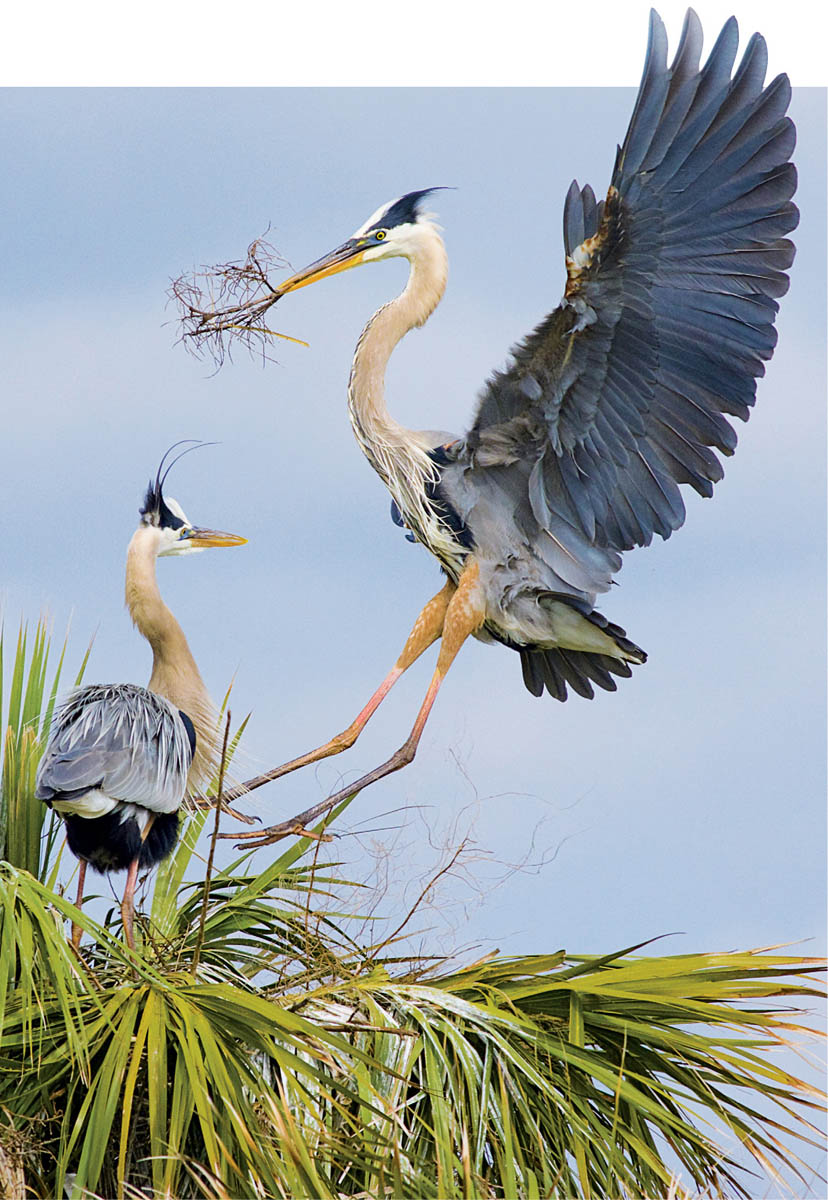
(77, 932)
(427, 629)
(128, 900)
(464, 614)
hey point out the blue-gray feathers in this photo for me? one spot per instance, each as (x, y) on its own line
(621, 394)
(117, 754)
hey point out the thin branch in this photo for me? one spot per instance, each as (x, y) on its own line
(431, 883)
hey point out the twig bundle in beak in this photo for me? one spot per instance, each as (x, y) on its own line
(229, 301)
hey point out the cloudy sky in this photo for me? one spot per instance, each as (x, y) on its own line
(691, 800)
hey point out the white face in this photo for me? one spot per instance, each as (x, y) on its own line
(399, 242)
(176, 541)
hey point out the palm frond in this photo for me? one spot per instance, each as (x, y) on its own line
(28, 713)
(554, 1075)
(251, 1046)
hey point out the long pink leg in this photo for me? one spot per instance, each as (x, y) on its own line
(128, 903)
(128, 900)
(77, 932)
(465, 613)
(427, 629)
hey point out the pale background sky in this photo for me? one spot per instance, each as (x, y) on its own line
(690, 800)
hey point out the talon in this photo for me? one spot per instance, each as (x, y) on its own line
(278, 834)
(300, 831)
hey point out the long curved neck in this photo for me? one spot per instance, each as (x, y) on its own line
(175, 675)
(383, 440)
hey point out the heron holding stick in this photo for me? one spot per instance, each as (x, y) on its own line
(579, 446)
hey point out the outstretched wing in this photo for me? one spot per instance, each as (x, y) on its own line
(618, 396)
(121, 739)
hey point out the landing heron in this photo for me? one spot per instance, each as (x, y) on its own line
(580, 444)
(120, 757)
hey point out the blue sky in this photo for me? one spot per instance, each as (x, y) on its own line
(692, 799)
(690, 802)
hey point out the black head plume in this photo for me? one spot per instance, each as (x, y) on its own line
(404, 211)
(155, 510)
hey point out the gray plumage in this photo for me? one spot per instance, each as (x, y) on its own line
(115, 746)
(619, 395)
(581, 443)
(579, 446)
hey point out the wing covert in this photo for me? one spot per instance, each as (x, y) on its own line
(120, 738)
(622, 393)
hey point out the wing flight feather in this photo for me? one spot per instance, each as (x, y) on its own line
(622, 393)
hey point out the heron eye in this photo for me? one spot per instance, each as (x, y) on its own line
(380, 235)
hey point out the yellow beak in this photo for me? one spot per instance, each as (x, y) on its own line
(213, 537)
(350, 254)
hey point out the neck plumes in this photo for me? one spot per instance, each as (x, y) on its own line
(398, 454)
(175, 675)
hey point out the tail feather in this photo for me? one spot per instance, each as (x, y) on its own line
(554, 669)
(574, 673)
(552, 676)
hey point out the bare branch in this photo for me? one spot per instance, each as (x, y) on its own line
(228, 302)
(430, 884)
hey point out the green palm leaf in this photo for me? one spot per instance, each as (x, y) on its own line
(252, 1047)
(28, 714)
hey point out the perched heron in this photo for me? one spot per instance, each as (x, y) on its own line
(620, 395)
(120, 757)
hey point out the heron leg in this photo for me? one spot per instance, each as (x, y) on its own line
(427, 629)
(128, 899)
(77, 932)
(465, 613)
(128, 902)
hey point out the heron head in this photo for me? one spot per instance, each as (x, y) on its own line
(395, 230)
(176, 534)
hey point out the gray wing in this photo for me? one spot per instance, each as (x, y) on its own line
(618, 396)
(120, 738)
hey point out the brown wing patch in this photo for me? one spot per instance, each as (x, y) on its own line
(590, 251)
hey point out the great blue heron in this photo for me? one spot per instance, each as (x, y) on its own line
(579, 445)
(120, 757)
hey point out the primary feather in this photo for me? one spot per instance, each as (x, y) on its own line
(619, 395)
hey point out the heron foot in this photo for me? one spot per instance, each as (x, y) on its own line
(275, 833)
(297, 825)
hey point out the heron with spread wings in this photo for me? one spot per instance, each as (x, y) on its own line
(120, 757)
(579, 446)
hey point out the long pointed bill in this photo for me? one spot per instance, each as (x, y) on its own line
(350, 254)
(213, 537)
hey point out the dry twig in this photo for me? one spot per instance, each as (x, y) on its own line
(228, 302)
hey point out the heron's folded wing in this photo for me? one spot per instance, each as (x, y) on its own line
(121, 739)
(619, 395)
